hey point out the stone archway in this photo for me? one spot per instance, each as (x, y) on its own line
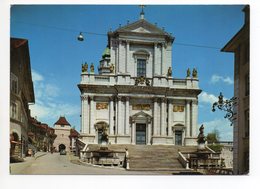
(62, 147)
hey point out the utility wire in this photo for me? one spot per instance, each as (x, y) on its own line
(101, 34)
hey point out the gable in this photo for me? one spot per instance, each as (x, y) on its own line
(142, 26)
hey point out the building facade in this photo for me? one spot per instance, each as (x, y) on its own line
(239, 45)
(21, 95)
(134, 99)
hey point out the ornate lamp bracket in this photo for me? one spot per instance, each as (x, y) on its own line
(225, 105)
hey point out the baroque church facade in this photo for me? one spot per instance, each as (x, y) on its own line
(134, 99)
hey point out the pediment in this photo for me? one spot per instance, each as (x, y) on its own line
(141, 114)
(142, 26)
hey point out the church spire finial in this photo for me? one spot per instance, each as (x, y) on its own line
(142, 12)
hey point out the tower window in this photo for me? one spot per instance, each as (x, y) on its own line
(141, 67)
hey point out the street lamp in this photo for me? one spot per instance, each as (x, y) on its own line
(80, 37)
(225, 105)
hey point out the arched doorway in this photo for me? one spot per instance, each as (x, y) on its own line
(62, 147)
(14, 147)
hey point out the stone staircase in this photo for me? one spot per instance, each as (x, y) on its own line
(151, 157)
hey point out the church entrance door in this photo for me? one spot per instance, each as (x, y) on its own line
(178, 137)
(140, 134)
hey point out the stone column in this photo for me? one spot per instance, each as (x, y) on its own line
(187, 118)
(111, 115)
(120, 62)
(133, 132)
(194, 118)
(170, 114)
(120, 125)
(117, 56)
(127, 116)
(127, 57)
(149, 135)
(163, 119)
(162, 59)
(92, 115)
(84, 114)
(155, 112)
(154, 60)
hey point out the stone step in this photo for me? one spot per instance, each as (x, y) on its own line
(150, 157)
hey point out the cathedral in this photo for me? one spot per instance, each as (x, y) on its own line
(134, 99)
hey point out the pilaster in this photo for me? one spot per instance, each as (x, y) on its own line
(84, 114)
(194, 118)
(92, 114)
(126, 116)
(155, 113)
(111, 116)
(163, 118)
(187, 112)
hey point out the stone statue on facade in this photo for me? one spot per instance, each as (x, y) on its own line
(111, 68)
(169, 71)
(84, 67)
(194, 73)
(188, 72)
(92, 68)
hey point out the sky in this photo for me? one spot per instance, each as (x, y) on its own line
(56, 55)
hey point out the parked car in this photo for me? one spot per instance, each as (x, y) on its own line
(63, 152)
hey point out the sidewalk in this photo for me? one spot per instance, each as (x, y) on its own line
(17, 168)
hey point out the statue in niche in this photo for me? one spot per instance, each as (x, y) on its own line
(169, 71)
(111, 68)
(194, 73)
(84, 67)
(104, 136)
(92, 67)
(188, 72)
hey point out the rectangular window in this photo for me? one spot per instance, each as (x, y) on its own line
(13, 110)
(141, 67)
(14, 83)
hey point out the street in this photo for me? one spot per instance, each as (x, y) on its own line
(56, 164)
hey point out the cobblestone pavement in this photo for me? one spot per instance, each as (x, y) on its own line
(56, 164)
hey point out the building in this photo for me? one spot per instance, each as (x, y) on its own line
(63, 131)
(74, 135)
(135, 99)
(21, 95)
(40, 136)
(239, 45)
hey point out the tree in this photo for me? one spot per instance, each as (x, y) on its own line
(213, 137)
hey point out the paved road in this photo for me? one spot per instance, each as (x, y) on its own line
(52, 164)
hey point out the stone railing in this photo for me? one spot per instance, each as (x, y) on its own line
(188, 83)
(183, 160)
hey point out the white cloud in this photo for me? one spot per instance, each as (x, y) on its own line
(36, 76)
(222, 125)
(217, 78)
(207, 98)
(47, 107)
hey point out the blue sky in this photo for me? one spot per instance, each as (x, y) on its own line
(56, 55)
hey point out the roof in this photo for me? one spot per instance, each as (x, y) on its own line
(62, 121)
(73, 133)
(20, 56)
(106, 52)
